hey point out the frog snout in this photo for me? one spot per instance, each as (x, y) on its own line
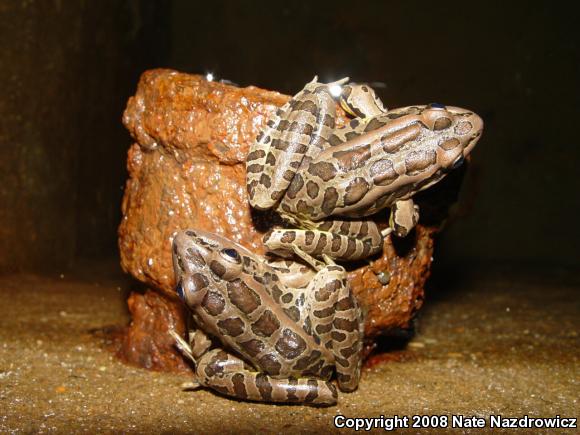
(467, 127)
(188, 253)
(469, 130)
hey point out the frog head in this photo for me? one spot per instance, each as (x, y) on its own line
(203, 261)
(457, 131)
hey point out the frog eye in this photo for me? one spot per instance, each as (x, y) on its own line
(436, 106)
(231, 255)
(179, 290)
(458, 162)
(227, 264)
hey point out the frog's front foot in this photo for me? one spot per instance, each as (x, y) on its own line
(182, 345)
(313, 262)
(386, 232)
(198, 344)
(404, 217)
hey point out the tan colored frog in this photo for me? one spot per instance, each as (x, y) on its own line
(280, 330)
(327, 181)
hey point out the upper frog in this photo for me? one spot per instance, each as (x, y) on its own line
(312, 173)
(282, 328)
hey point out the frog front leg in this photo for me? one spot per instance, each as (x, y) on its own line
(404, 217)
(299, 129)
(338, 239)
(229, 375)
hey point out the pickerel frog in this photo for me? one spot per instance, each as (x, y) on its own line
(283, 329)
(311, 172)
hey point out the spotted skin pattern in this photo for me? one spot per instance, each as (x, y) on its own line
(283, 328)
(326, 181)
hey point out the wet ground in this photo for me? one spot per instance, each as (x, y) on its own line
(501, 343)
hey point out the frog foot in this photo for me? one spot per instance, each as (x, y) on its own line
(328, 260)
(183, 346)
(316, 264)
(386, 232)
(190, 385)
(339, 82)
(404, 217)
(361, 102)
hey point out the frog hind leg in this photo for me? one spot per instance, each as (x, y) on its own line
(404, 217)
(328, 239)
(299, 129)
(228, 375)
(337, 320)
(348, 326)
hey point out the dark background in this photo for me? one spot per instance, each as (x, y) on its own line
(68, 67)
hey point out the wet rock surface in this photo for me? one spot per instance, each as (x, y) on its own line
(186, 170)
(489, 344)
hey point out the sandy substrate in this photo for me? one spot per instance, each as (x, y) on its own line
(503, 343)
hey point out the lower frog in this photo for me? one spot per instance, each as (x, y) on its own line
(326, 181)
(281, 329)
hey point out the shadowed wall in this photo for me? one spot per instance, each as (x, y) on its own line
(67, 69)
(516, 65)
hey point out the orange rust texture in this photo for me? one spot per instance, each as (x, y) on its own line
(393, 305)
(187, 170)
(147, 342)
